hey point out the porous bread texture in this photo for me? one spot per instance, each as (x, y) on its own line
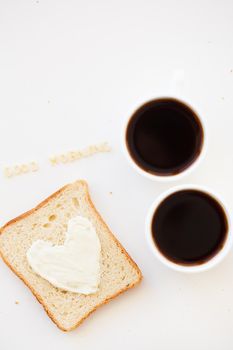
(48, 222)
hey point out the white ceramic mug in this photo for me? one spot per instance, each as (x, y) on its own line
(165, 178)
(176, 266)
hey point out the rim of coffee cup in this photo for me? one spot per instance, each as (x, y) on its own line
(165, 178)
(216, 259)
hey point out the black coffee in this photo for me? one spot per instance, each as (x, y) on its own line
(164, 137)
(189, 227)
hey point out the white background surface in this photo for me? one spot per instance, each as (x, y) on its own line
(70, 73)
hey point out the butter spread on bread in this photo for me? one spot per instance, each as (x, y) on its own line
(74, 266)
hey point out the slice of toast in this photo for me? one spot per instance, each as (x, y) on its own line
(48, 221)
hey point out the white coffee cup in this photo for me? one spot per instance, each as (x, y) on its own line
(166, 178)
(217, 258)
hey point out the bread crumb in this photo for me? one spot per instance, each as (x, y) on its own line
(34, 166)
(25, 168)
(53, 160)
(7, 172)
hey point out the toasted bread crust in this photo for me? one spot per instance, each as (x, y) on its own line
(44, 202)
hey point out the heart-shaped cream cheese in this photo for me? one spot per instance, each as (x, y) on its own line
(74, 266)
